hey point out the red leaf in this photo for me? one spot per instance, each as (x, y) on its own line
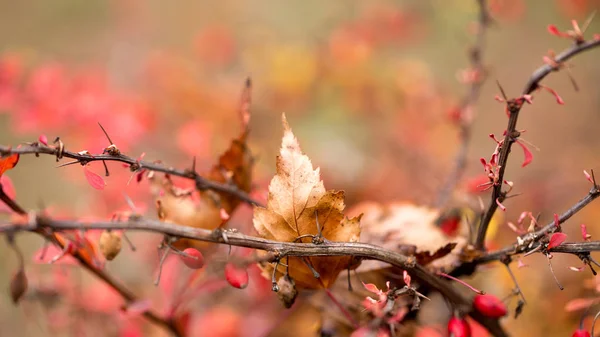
(43, 139)
(93, 179)
(556, 240)
(527, 153)
(372, 288)
(553, 30)
(7, 163)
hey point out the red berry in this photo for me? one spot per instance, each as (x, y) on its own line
(192, 258)
(581, 333)
(458, 327)
(489, 305)
(237, 277)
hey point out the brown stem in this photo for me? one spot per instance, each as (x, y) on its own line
(511, 129)
(201, 182)
(281, 249)
(531, 240)
(106, 278)
(475, 58)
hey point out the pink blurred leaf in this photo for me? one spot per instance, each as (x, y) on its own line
(43, 139)
(588, 176)
(584, 233)
(138, 307)
(372, 288)
(556, 240)
(527, 153)
(579, 304)
(94, 179)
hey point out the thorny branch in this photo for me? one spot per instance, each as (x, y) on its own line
(478, 69)
(531, 241)
(135, 165)
(48, 234)
(279, 249)
(512, 134)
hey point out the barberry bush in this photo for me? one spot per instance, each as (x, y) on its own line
(411, 168)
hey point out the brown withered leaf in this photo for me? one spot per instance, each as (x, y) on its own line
(425, 257)
(18, 285)
(297, 197)
(401, 225)
(210, 209)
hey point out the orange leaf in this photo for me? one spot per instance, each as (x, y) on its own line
(210, 209)
(297, 197)
(8, 162)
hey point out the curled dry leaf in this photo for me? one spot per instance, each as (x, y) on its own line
(398, 225)
(18, 285)
(109, 244)
(297, 197)
(287, 292)
(209, 209)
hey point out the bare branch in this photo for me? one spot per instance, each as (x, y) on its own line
(472, 96)
(201, 182)
(280, 250)
(511, 130)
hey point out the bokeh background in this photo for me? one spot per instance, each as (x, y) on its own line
(368, 88)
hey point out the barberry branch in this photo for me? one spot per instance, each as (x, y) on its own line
(531, 241)
(134, 164)
(126, 294)
(467, 102)
(512, 133)
(40, 223)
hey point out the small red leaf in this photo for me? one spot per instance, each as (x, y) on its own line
(237, 277)
(588, 176)
(43, 139)
(93, 179)
(584, 233)
(556, 240)
(527, 153)
(553, 30)
(372, 288)
(8, 162)
(556, 220)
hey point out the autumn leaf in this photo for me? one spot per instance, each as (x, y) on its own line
(297, 197)
(210, 209)
(398, 225)
(8, 162)
(94, 179)
(557, 239)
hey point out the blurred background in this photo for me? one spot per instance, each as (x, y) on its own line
(368, 88)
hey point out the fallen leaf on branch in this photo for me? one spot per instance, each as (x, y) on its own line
(398, 225)
(297, 197)
(210, 209)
